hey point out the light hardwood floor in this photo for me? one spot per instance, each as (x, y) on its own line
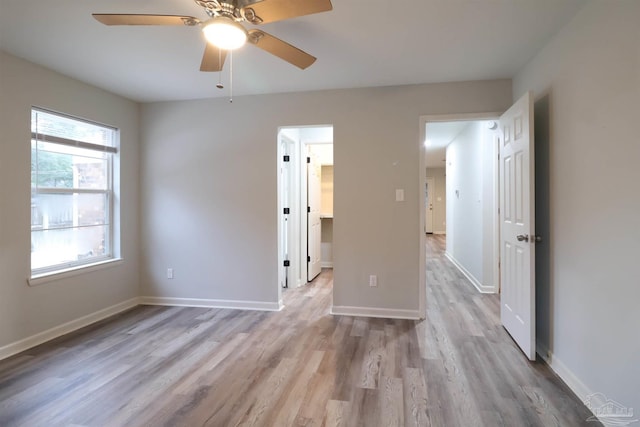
(170, 366)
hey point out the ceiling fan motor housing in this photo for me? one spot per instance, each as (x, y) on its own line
(224, 8)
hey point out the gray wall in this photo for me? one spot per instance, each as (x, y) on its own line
(587, 85)
(25, 310)
(439, 206)
(209, 189)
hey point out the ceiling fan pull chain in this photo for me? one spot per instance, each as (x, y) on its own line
(230, 76)
(219, 85)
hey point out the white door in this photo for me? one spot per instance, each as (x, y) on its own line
(314, 197)
(288, 209)
(429, 192)
(285, 214)
(517, 228)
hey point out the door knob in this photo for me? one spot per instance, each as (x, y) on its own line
(522, 238)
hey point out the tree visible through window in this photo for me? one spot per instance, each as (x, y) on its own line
(71, 192)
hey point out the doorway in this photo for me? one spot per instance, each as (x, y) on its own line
(464, 202)
(506, 154)
(305, 203)
(470, 176)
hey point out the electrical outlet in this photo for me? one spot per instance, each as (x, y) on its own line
(373, 280)
(169, 273)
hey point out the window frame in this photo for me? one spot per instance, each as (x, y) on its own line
(41, 274)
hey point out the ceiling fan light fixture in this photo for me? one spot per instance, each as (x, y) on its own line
(224, 33)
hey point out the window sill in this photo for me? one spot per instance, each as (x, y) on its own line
(40, 279)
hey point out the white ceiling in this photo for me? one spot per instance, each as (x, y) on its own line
(360, 43)
(316, 134)
(439, 135)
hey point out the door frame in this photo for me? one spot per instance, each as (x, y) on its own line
(422, 179)
(294, 225)
(297, 203)
(316, 163)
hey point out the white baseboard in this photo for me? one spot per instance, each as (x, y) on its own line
(574, 383)
(569, 378)
(42, 337)
(213, 303)
(326, 264)
(387, 313)
(475, 282)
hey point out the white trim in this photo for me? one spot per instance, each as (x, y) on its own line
(459, 117)
(52, 276)
(475, 282)
(294, 217)
(386, 313)
(326, 264)
(565, 374)
(213, 303)
(42, 337)
(496, 216)
(574, 383)
(422, 250)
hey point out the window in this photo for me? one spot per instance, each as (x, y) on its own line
(71, 192)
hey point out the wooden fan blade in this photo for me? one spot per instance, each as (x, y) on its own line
(213, 58)
(265, 11)
(281, 49)
(118, 19)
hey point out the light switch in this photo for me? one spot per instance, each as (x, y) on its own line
(400, 195)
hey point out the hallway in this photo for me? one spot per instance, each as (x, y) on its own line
(475, 374)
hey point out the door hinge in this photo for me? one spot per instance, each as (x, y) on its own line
(286, 211)
(286, 263)
(308, 209)
(285, 158)
(308, 159)
(308, 259)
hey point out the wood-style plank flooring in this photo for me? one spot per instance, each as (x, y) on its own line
(172, 366)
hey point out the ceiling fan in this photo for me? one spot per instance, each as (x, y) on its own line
(224, 31)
